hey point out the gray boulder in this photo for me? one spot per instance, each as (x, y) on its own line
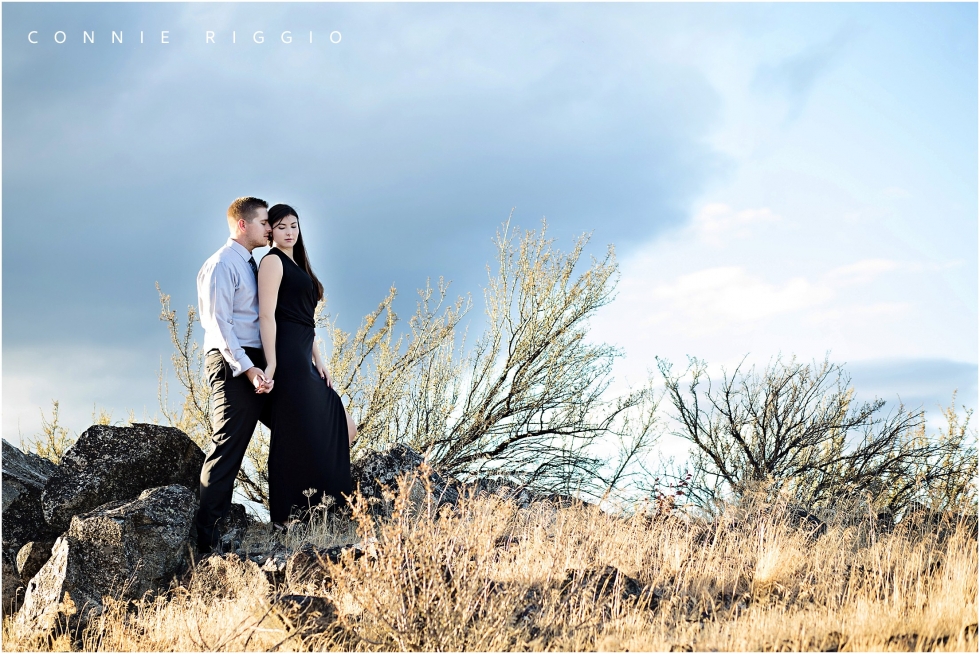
(24, 477)
(377, 471)
(109, 464)
(122, 549)
(503, 488)
(32, 557)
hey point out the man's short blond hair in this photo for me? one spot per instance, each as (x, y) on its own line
(244, 209)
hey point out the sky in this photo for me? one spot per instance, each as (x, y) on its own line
(777, 179)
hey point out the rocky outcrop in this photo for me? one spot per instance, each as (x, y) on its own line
(377, 471)
(109, 464)
(24, 477)
(121, 549)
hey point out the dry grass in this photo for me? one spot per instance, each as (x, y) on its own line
(494, 577)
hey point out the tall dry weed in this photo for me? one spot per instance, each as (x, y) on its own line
(492, 576)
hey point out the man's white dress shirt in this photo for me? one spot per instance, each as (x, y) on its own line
(228, 299)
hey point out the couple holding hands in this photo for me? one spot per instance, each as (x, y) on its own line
(262, 364)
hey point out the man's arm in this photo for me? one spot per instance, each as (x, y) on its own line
(217, 297)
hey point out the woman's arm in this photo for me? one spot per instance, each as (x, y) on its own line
(270, 276)
(320, 368)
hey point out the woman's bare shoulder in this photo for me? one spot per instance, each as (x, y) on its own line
(271, 261)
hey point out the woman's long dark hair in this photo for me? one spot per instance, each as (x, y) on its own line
(276, 213)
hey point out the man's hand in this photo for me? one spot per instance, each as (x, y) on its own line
(261, 383)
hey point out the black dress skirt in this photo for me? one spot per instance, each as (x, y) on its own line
(309, 447)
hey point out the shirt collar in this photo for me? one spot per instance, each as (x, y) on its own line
(239, 248)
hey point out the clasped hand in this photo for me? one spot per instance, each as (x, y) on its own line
(261, 380)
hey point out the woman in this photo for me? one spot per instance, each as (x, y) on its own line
(311, 431)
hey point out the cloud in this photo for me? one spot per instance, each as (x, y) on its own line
(724, 299)
(794, 76)
(743, 280)
(732, 299)
(861, 272)
(717, 223)
(405, 146)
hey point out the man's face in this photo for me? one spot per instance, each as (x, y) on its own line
(257, 230)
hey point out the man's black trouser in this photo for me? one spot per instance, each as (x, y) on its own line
(235, 410)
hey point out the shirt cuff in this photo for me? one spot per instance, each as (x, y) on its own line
(240, 366)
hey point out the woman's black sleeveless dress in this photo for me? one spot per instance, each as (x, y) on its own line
(309, 444)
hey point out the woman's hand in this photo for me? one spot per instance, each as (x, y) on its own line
(270, 371)
(258, 379)
(324, 373)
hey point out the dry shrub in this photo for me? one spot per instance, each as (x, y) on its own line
(491, 576)
(796, 428)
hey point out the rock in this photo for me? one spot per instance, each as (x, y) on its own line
(274, 563)
(602, 582)
(833, 641)
(123, 549)
(566, 501)
(505, 489)
(24, 477)
(522, 496)
(109, 464)
(807, 522)
(307, 613)
(376, 471)
(233, 527)
(884, 522)
(228, 576)
(32, 556)
(914, 642)
(526, 609)
(921, 520)
(12, 588)
(306, 568)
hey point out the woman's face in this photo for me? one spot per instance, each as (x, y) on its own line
(286, 233)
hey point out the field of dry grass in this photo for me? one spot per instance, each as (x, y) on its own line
(494, 577)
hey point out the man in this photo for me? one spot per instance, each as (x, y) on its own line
(227, 293)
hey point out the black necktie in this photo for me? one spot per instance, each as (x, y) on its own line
(255, 269)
